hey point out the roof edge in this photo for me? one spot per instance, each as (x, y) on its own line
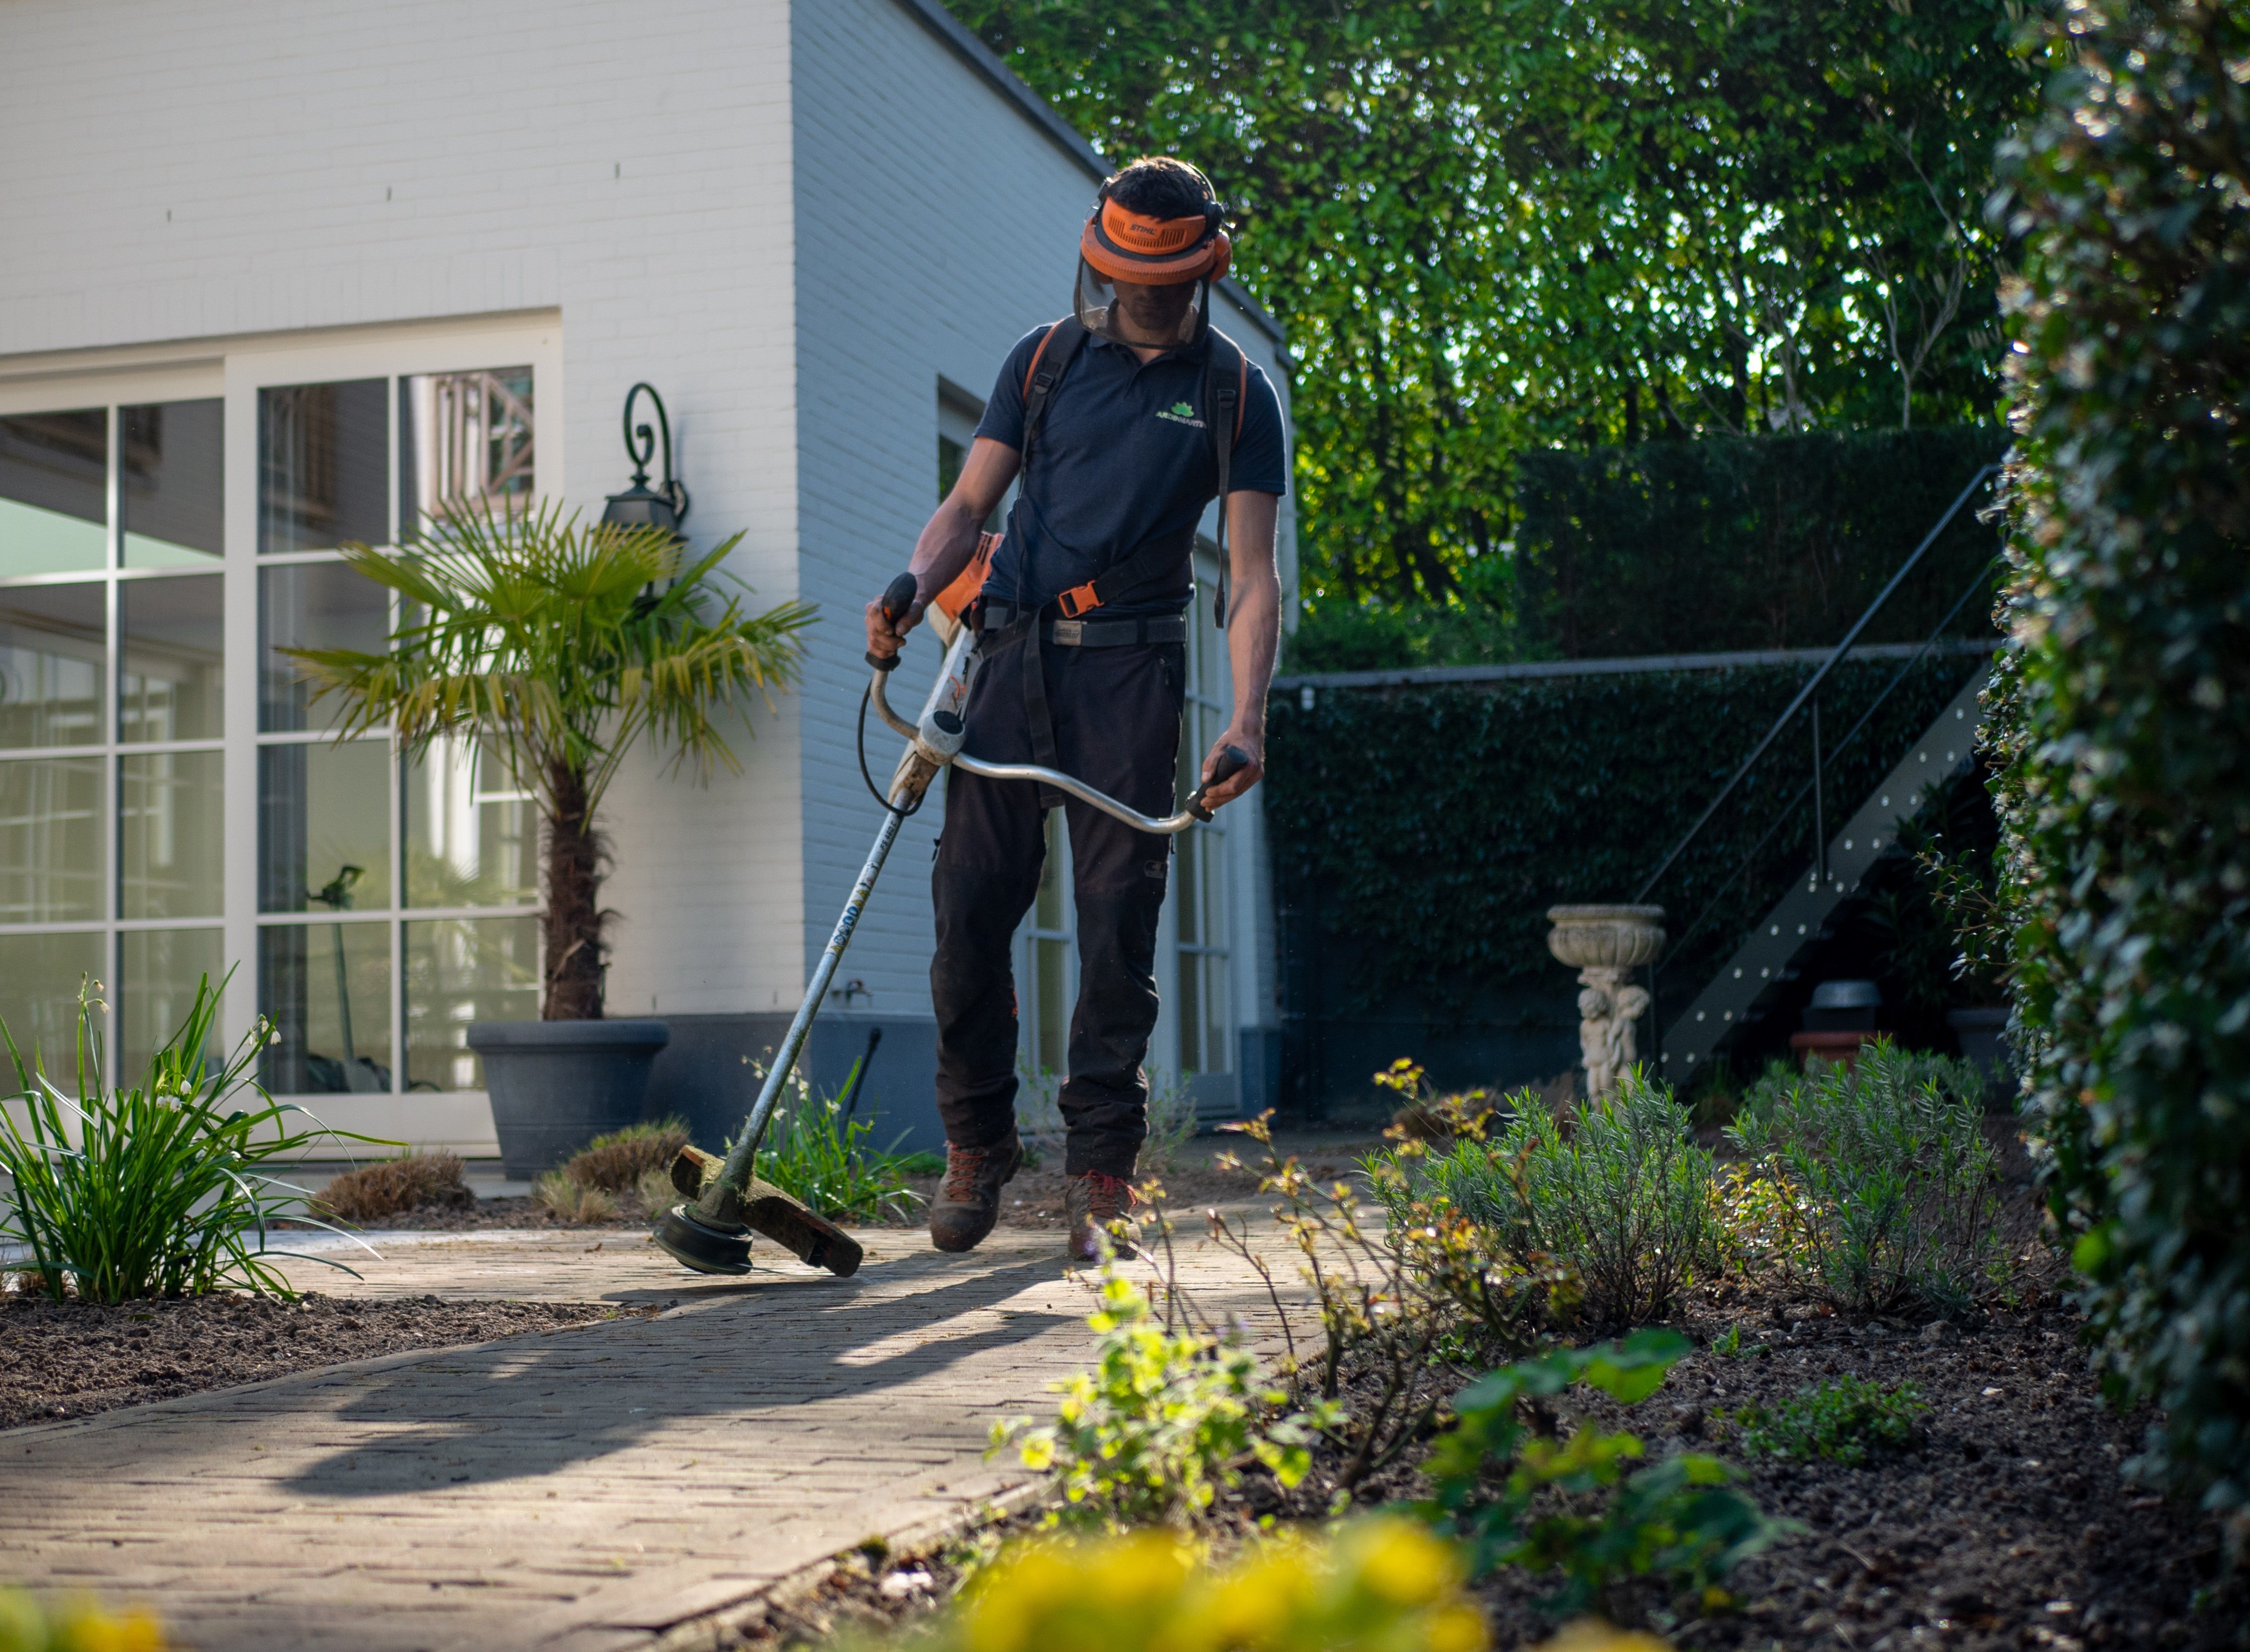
(985, 63)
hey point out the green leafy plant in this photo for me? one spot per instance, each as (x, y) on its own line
(2124, 789)
(617, 1161)
(1515, 1495)
(1887, 1176)
(1731, 1346)
(1382, 1584)
(1404, 1307)
(562, 646)
(1842, 1422)
(814, 1153)
(1624, 1200)
(1160, 1425)
(160, 1188)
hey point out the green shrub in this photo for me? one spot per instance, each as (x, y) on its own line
(158, 1189)
(1679, 1519)
(616, 1163)
(1887, 1175)
(1160, 1425)
(2125, 718)
(1840, 1420)
(375, 1191)
(1376, 1585)
(1623, 1199)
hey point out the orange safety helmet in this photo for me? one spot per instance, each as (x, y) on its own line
(1120, 245)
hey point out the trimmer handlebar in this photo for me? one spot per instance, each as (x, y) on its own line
(941, 743)
(898, 602)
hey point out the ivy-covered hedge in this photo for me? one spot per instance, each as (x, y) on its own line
(1743, 543)
(1431, 828)
(1693, 548)
(2126, 726)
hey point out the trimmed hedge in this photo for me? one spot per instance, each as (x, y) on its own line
(1692, 547)
(1438, 825)
(2126, 720)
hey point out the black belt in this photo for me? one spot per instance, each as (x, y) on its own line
(1090, 633)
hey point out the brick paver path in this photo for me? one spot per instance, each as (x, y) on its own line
(582, 1489)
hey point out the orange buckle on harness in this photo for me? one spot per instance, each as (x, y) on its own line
(1078, 600)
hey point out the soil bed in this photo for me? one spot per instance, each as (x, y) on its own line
(73, 1358)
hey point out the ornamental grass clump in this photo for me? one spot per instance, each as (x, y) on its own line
(821, 1156)
(617, 1161)
(387, 1188)
(1886, 1177)
(155, 1189)
(1163, 1422)
(1378, 1585)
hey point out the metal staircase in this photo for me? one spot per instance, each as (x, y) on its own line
(1768, 955)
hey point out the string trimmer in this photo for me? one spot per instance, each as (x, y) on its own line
(712, 1234)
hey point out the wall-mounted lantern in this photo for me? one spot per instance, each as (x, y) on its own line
(640, 505)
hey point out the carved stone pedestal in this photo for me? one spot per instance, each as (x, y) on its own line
(1605, 945)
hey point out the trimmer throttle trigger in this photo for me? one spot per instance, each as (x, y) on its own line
(898, 600)
(1231, 762)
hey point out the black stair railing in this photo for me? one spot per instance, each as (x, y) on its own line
(1824, 756)
(1835, 657)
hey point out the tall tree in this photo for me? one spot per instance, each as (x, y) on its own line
(1492, 225)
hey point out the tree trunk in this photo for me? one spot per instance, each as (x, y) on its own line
(574, 915)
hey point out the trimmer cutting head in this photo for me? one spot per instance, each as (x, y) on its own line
(705, 1250)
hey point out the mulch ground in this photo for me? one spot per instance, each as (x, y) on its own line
(73, 1358)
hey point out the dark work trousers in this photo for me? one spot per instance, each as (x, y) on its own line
(1116, 716)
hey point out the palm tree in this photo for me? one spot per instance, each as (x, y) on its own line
(560, 645)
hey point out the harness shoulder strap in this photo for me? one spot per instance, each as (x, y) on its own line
(1058, 346)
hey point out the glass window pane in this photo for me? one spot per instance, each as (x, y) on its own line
(54, 492)
(470, 838)
(51, 838)
(170, 464)
(464, 441)
(169, 631)
(459, 970)
(158, 970)
(312, 605)
(324, 828)
(39, 977)
(323, 467)
(170, 822)
(51, 646)
(326, 989)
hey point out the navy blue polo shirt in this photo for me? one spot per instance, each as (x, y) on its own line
(1123, 455)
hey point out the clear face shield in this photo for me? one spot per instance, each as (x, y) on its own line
(1160, 317)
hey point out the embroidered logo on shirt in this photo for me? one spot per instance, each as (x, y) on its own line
(1180, 413)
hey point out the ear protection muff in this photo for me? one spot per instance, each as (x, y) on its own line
(1122, 244)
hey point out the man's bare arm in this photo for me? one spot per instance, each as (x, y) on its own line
(951, 539)
(1254, 635)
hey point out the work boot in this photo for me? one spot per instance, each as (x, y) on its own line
(1094, 1200)
(969, 1202)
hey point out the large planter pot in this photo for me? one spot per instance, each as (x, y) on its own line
(1981, 1031)
(557, 1084)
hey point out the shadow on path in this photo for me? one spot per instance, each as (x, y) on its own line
(753, 1351)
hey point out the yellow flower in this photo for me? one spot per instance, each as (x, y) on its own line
(1591, 1634)
(1403, 1563)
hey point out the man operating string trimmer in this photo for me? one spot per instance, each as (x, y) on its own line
(1124, 419)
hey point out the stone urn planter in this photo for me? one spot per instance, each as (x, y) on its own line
(557, 1084)
(1605, 945)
